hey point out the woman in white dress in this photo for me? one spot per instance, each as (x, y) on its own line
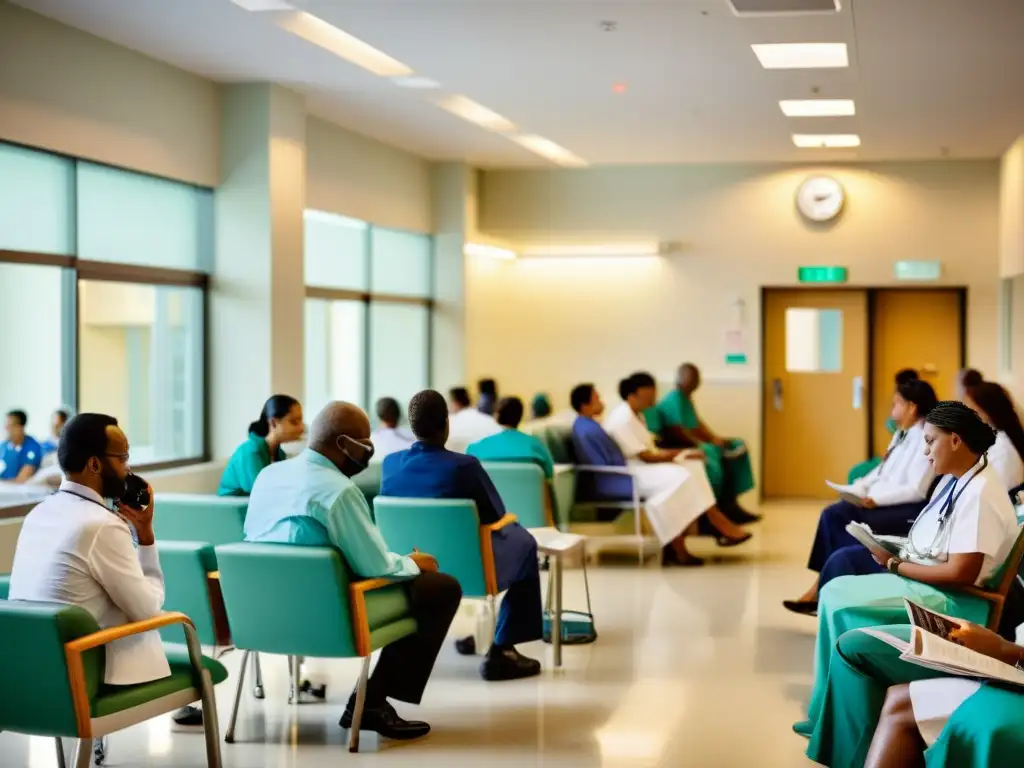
(995, 407)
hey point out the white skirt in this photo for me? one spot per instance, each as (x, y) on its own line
(674, 494)
(935, 700)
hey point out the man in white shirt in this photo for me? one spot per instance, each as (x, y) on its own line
(389, 438)
(466, 423)
(75, 549)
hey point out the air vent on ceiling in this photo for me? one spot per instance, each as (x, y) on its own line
(773, 7)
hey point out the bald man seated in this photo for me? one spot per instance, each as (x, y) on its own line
(311, 500)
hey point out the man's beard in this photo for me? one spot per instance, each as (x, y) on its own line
(114, 487)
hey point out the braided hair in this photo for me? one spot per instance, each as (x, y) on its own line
(955, 417)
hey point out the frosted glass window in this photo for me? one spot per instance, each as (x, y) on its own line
(36, 194)
(400, 262)
(34, 366)
(398, 351)
(131, 218)
(335, 353)
(335, 251)
(141, 361)
(814, 340)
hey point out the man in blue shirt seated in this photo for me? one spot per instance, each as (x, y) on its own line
(510, 444)
(20, 455)
(311, 500)
(49, 445)
(429, 471)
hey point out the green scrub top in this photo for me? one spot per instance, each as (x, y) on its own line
(248, 460)
(513, 445)
(674, 410)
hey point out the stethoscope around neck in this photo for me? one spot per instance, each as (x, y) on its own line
(940, 542)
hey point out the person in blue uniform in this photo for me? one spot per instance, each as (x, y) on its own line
(280, 422)
(428, 471)
(20, 455)
(49, 445)
(510, 444)
(488, 399)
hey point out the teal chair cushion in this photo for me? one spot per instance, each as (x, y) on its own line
(558, 439)
(115, 698)
(185, 565)
(197, 517)
(368, 481)
(523, 490)
(448, 529)
(33, 663)
(5, 586)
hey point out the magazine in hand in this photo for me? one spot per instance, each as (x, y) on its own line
(867, 537)
(930, 647)
(848, 493)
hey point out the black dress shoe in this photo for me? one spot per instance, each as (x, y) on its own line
(725, 541)
(740, 516)
(318, 692)
(466, 646)
(383, 719)
(188, 717)
(508, 664)
(802, 607)
(670, 557)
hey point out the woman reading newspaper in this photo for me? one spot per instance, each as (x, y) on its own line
(881, 711)
(960, 539)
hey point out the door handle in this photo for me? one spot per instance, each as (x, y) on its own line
(777, 394)
(858, 392)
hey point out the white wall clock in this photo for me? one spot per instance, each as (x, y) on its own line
(820, 198)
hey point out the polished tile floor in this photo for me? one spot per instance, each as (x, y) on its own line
(694, 667)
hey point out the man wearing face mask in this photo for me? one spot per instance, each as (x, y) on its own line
(76, 548)
(311, 500)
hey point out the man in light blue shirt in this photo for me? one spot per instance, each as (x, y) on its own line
(311, 500)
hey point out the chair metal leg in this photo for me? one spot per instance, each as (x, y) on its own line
(60, 753)
(229, 737)
(556, 620)
(211, 723)
(492, 608)
(295, 670)
(257, 690)
(83, 759)
(357, 715)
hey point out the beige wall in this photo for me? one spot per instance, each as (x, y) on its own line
(1011, 211)
(356, 176)
(64, 90)
(547, 324)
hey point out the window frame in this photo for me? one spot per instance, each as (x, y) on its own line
(99, 271)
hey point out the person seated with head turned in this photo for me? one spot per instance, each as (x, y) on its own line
(49, 445)
(390, 438)
(429, 471)
(20, 454)
(864, 468)
(311, 500)
(674, 419)
(965, 379)
(510, 444)
(995, 406)
(467, 424)
(488, 399)
(280, 422)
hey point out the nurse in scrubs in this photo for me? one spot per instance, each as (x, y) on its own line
(994, 405)
(883, 712)
(960, 539)
(864, 468)
(280, 422)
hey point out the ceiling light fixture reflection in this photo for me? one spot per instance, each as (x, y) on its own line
(315, 30)
(817, 107)
(416, 82)
(261, 6)
(826, 140)
(593, 249)
(488, 251)
(548, 149)
(801, 55)
(478, 114)
(334, 219)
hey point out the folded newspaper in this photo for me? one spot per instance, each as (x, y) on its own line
(930, 646)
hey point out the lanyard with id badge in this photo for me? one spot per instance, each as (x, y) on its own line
(938, 550)
(136, 496)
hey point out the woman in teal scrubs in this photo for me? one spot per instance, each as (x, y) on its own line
(280, 422)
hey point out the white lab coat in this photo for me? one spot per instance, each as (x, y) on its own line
(72, 550)
(467, 426)
(675, 494)
(904, 476)
(1006, 461)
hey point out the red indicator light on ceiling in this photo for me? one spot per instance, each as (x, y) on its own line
(619, 88)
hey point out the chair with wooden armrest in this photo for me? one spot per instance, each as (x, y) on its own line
(303, 601)
(199, 517)
(191, 587)
(52, 672)
(997, 588)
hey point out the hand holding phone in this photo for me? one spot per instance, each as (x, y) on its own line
(136, 506)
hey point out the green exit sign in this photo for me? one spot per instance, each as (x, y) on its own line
(821, 274)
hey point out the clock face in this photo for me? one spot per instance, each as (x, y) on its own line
(820, 198)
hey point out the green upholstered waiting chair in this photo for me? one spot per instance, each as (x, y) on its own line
(302, 601)
(192, 587)
(523, 490)
(997, 588)
(5, 586)
(199, 517)
(368, 481)
(51, 673)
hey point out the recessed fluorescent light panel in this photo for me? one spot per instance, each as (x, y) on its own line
(817, 107)
(264, 5)
(826, 140)
(469, 110)
(416, 82)
(548, 149)
(315, 30)
(801, 55)
(595, 249)
(488, 251)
